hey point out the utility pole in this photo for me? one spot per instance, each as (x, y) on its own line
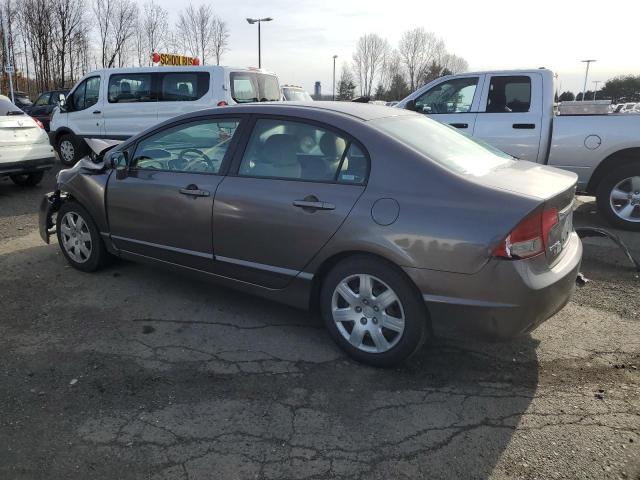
(8, 68)
(595, 90)
(586, 74)
(334, 77)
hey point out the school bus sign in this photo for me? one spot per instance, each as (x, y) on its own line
(171, 59)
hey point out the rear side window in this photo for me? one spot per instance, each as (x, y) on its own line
(254, 87)
(509, 94)
(301, 151)
(130, 88)
(183, 86)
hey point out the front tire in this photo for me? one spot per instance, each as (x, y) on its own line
(71, 149)
(27, 179)
(79, 238)
(373, 312)
(618, 197)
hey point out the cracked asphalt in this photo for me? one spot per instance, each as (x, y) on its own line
(134, 373)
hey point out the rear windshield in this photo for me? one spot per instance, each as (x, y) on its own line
(254, 87)
(23, 99)
(443, 144)
(8, 108)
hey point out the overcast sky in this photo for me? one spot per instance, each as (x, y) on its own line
(494, 34)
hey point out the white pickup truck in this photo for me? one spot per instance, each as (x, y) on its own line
(513, 111)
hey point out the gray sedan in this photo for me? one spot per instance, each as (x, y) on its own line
(393, 226)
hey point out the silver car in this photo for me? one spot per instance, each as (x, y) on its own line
(393, 226)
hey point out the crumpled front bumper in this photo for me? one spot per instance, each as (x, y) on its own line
(49, 205)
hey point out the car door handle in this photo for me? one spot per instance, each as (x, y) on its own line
(311, 205)
(460, 125)
(194, 191)
(97, 112)
(524, 126)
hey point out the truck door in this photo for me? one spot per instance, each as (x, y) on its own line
(453, 102)
(510, 116)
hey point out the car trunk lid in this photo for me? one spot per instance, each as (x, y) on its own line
(18, 130)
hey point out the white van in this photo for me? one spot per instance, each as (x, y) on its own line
(118, 103)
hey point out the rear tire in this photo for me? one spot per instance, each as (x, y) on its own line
(79, 238)
(618, 197)
(70, 149)
(373, 311)
(27, 179)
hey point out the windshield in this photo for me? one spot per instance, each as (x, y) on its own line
(443, 144)
(254, 87)
(296, 95)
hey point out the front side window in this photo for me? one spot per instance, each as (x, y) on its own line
(509, 94)
(197, 147)
(86, 94)
(43, 99)
(183, 87)
(254, 87)
(130, 88)
(452, 96)
(301, 151)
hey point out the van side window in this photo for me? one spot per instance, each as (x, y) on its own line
(183, 86)
(130, 87)
(509, 94)
(86, 95)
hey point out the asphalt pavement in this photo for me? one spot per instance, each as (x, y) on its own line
(134, 372)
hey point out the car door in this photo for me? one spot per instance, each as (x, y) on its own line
(131, 105)
(84, 111)
(454, 102)
(294, 184)
(39, 108)
(161, 205)
(510, 115)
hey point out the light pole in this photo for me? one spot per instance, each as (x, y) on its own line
(586, 74)
(251, 21)
(334, 77)
(595, 90)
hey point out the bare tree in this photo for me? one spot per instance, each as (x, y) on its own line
(418, 48)
(155, 27)
(455, 64)
(391, 66)
(371, 50)
(117, 20)
(67, 17)
(220, 40)
(196, 27)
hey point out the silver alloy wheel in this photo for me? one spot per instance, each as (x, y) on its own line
(67, 151)
(625, 199)
(368, 313)
(76, 238)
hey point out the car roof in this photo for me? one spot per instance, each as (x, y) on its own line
(361, 111)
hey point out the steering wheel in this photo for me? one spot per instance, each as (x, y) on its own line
(189, 163)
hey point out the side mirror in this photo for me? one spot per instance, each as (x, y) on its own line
(410, 105)
(61, 100)
(117, 161)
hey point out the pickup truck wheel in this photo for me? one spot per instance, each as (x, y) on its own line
(618, 197)
(79, 238)
(70, 149)
(27, 179)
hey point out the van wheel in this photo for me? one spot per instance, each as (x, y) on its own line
(79, 238)
(373, 312)
(618, 197)
(27, 179)
(71, 149)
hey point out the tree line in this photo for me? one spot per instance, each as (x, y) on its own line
(52, 43)
(380, 71)
(620, 89)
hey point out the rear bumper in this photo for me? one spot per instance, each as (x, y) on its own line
(26, 166)
(505, 299)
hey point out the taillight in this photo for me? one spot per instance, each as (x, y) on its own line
(38, 122)
(222, 103)
(530, 237)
